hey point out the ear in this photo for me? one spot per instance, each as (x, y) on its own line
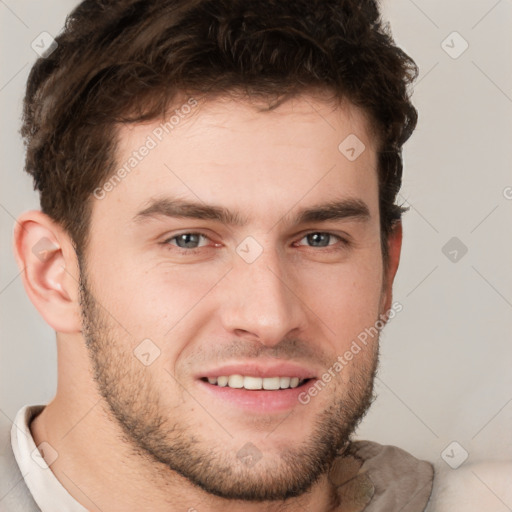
(46, 256)
(394, 250)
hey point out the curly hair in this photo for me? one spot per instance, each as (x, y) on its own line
(125, 61)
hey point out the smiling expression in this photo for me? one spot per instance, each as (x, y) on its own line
(223, 276)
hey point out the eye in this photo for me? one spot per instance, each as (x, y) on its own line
(321, 239)
(187, 241)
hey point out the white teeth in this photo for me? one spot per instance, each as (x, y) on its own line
(284, 382)
(222, 381)
(294, 382)
(236, 381)
(271, 383)
(252, 383)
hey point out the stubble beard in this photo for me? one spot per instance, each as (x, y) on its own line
(165, 439)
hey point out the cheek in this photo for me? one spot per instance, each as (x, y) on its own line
(154, 300)
(345, 298)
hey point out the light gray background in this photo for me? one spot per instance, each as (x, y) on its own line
(446, 359)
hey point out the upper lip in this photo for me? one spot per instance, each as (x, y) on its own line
(260, 370)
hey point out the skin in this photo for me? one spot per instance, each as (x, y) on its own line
(115, 420)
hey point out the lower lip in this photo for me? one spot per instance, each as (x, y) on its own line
(258, 400)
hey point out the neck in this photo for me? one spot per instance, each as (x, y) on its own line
(93, 450)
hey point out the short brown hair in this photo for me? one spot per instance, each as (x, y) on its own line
(124, 61)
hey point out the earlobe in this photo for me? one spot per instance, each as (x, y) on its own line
(46, 257)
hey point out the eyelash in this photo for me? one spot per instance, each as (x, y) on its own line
(329, 248)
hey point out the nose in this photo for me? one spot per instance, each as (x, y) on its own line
(261, 301)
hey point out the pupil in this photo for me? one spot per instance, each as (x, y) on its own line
(186, 239)
(318, 237)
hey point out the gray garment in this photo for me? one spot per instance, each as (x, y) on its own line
(401, 482)
(368, 478)
(14, 494)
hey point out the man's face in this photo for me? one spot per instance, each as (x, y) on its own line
(174, 304)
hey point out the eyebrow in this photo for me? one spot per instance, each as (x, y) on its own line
(344, 209)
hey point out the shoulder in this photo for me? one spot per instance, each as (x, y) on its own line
(395, 479)
(473, 488)
(9, 471)
(14, 494)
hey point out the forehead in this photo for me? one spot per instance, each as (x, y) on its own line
(226, 151)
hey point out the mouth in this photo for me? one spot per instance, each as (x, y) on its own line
(252, 383)
(256, 388)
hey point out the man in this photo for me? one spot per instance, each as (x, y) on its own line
(216, 252)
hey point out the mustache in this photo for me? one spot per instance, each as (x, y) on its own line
(290, 349)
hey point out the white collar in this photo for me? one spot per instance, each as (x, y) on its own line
(47, 491)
